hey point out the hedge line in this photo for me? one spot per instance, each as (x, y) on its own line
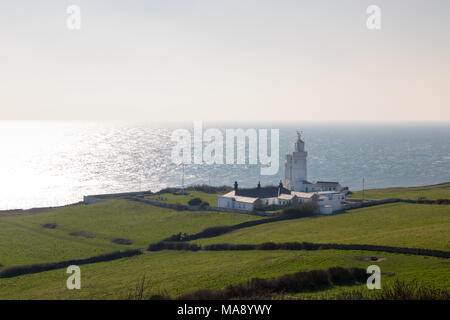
(289, 283)
(198, 187)
(295, 246)
(35, 268)
(437, 201)
(220, 230)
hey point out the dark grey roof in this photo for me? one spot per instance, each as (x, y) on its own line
(265, 192)
(327, 182)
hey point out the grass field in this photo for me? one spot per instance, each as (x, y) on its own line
(397, 224)
(25, 241)
(177, 272)
(433, 192)
(184, 199)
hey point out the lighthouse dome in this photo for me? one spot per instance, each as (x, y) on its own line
(299, 145)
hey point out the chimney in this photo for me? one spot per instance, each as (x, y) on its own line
(235, 186)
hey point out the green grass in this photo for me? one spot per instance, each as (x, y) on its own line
(178, 272)
(433, 192)
(184, 199)
(24, 241)
(397, 224)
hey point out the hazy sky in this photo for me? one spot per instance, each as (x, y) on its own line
(225, 60)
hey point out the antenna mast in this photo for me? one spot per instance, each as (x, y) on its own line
(363, 190)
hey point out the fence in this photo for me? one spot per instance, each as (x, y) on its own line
(368, 203)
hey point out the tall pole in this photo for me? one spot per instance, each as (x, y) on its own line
(182, 180)
(363, 190)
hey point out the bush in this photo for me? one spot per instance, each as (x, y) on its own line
(360, 275)
(257, 288)
(195, 202)
(210, 189)
(164, 245)
(304, 210)
(180, 236)
(212, 232)
(35, 268)
(299, 246)
(228, 246)
(204, 205)
(267, 246)
(180, 207)
(49, 225)
(340, 275)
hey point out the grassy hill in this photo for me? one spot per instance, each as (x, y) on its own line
(25, 241)
(397, 224)
(178, 272)
(433, 192)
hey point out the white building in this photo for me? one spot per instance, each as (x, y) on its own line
(275, 197)
(247, 199)
(330, 201)
(328, 195)
(295, 172)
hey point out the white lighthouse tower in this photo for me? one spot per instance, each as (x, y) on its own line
(295, 177)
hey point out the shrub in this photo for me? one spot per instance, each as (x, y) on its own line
(164, 245)
(180, 236)
(180, 207)
(340, 275)
(49, 225)
(195, 202)
(267, 246)
(210, 189)
(304, 210)
(212, 232)
(204, 205)
(229, 246)
(257, 288)
(360, 275)
(35, 268)
(158, 246)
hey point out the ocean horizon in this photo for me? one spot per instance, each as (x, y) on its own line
(53, 163)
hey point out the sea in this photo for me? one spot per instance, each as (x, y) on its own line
(53, 163)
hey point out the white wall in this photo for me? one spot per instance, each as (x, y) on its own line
(224, 202)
